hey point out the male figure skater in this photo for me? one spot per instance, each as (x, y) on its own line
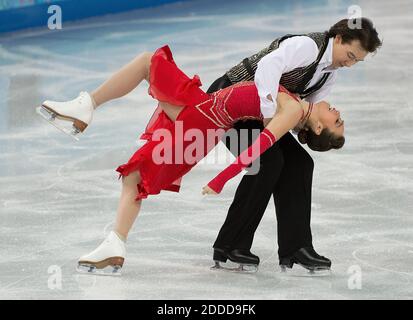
(306, 65)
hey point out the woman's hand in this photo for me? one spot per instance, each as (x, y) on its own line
(208, 190)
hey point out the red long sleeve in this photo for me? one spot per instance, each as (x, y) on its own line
(265, 140)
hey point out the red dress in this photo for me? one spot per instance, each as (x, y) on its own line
(171, 149)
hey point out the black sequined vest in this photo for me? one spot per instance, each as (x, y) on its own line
(295, 80)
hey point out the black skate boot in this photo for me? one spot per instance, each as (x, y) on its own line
(308, 258)
(247, 262)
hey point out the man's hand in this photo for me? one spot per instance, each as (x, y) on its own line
(208, 190)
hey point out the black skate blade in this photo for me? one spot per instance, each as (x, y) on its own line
(115, 271)
(61, 124)
(303, 271)
(238, 268)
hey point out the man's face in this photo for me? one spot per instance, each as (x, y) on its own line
(347, 54)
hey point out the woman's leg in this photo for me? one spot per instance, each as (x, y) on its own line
(109, 256)
(124, 80)
(128, 207)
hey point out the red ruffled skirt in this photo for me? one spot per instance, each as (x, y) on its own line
(168, 140)
(164, 137)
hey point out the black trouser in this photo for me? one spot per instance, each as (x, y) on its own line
(286, 172)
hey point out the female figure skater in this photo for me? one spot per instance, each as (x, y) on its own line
(184, 103)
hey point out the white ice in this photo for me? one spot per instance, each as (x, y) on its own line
(58, 197)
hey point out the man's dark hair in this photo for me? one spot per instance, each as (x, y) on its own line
(348, 30)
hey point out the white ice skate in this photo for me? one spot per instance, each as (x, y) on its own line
(107, 259)
(77, 112)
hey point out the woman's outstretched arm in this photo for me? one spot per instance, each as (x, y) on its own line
(288, 115)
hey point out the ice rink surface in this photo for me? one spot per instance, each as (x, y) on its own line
(58, 197)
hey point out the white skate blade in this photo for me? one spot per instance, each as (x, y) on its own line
(58, 122)
(93, 270)
(301, 271)
(239, 268)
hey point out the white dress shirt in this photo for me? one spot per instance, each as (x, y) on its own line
(295, 52)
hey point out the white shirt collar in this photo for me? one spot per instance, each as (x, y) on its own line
(327, 58)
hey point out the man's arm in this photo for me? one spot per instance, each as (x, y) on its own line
(295, 52)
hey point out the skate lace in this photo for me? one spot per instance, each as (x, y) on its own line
(82, 96)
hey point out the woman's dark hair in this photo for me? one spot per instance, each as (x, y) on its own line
(357, 29)
(325, 141)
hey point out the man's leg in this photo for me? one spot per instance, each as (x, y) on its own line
(249, 204)
(292, 197)
(248, 207)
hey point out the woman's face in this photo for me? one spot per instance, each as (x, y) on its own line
(330, 118)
